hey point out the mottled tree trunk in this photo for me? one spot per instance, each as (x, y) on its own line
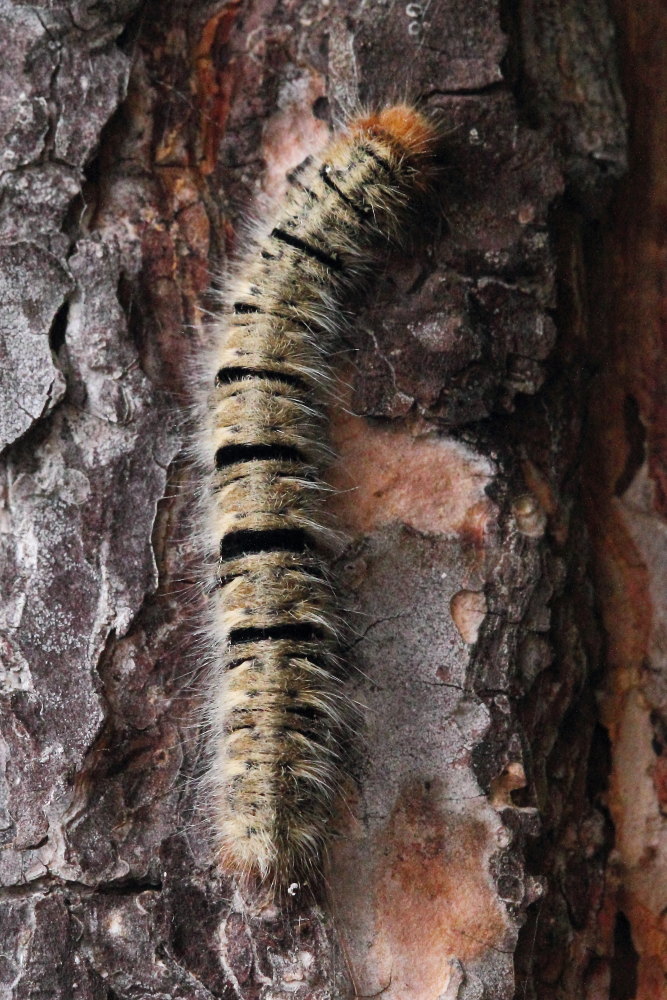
(500, 448)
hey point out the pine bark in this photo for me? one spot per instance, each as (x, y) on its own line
(478, 439)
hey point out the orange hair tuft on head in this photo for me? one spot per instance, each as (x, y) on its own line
(401, 125)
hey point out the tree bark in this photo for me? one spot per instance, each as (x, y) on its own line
(478, 452)
(625, 491)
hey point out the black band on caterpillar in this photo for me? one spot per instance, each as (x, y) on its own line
(276, 705)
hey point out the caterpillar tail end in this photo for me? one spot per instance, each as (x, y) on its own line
(266, 869)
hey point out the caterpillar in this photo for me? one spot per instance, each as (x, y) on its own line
(278, 720)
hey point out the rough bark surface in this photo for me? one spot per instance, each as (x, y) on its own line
(134, 138)
(626, 507)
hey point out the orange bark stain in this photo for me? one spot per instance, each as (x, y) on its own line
(468, 609)
(434, 891)
(511, 780)
(650, 937)
(434, 485)
(215, 82)
(431, 897)
(293, 132)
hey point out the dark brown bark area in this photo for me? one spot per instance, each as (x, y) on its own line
(625, 493)
(134, 138)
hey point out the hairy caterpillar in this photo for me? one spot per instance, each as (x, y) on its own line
(276, 709)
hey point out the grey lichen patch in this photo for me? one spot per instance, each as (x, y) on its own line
(29, 58)
(412, 879)
(33, 286)
(60, 82)
(96, 95)
(79, 505)
(51, 114)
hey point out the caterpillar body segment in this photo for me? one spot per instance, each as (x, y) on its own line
(276, 703)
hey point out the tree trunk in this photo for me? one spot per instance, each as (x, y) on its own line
(492, 423)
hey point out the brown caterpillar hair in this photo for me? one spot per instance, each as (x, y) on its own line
(276, 707)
